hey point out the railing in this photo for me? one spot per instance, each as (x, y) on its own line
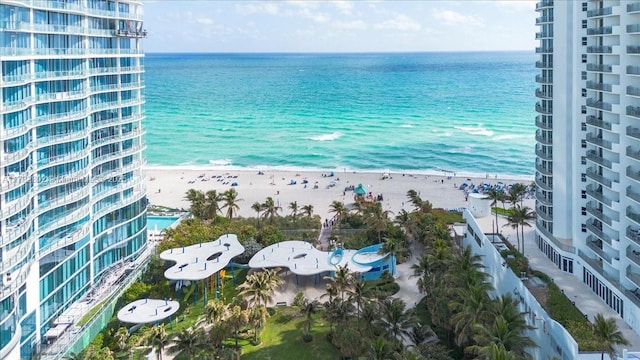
(633, 235)
(54, 118)
(595, 264)
(15, 51)
(544, 4)
(632, 153)
(599, 214)
(633, 49)
(599, 67)
(633, 195)
(543, 109)
(605, 30)
(544, 79)
(21, 277)
(599, 141)
(544, 34)
(633, 70)
(593, 85)
(65, 137)
(543, 124)
(543, 94)
(591, 245)
(599, 233)
(77, 214)
(542, 185)
(58, 243)
(599, 178)
(18, 155)
(598, 196)
(78, 6)
(633, 276)
(11, 208)
(633, 111)
(544, 140)
(599, 49)
(599, 104)
(64, 199)
(633, 215)
(542, 50)
(544, 170)
(633, 90)
(544, 64)
(14, 257)
(594, 157)
(543, 154)
(541, 213)
(600, 12)
(592, 120)
(634, 28)
(633, 7)
(544, 19)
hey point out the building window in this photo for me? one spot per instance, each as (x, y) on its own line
(583, 75)
(584, 41)
(583, 161)
(583, 109)
(584, 195)
(583, 177)
(584, 209)
(583, 126)
(584, 6)
(584, 59)
(584, 24)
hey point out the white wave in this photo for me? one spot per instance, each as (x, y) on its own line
(220, 162)
(477, 130)
(511, 137)
(326, 137)
(408, 126)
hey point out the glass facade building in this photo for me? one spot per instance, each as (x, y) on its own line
(72, 200)
(588, 146)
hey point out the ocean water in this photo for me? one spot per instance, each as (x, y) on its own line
(418, 112)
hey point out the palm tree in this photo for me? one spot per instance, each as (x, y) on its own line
(392, 246)
(513, 221)
(415, 199)
(523, 215)
(342, 280)
(270, 209)
(260, 286)
(358, 294)
(308, 309)
(607, 332)
(187, 343)
(495, 196)
(422, 334)
(340, 211)
(293, 206)
(405, 221)
(121, 337)
(214, 311)
(197, 200)
(497, 352)
(516, 193)
(501, 333)
(236, 319)
(257, 318)
(380, 349)
(257, 207)
(159, 339)
(395, 319)
(211, 208)
(471, 307)
(230, 198)
(307, 210)
(378, 219)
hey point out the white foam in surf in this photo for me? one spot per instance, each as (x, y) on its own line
(408, 126)
(326, 137)
(220, 162)
(475, 130)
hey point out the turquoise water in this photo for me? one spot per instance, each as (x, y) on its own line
(464, 112)
(158, 223)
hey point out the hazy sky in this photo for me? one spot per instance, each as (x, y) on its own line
(338, 26)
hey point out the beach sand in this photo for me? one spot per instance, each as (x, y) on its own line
(167, 186)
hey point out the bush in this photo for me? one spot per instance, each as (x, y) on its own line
(307, 338)
(299, 299)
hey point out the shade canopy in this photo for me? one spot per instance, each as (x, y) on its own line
(360, 190)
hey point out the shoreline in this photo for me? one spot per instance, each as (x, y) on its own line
(168, 185)
(286, 168)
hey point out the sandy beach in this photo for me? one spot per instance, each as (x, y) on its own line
(167, 186)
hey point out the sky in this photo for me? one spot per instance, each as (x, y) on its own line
(338, 26)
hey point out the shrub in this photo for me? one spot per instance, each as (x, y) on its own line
(307, 338)
(299, 299)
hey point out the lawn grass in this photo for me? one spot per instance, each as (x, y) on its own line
(282, 339)
(504, 212)
(90, 314)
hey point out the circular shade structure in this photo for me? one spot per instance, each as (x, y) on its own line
(146, 311)
(199, 261)
(303, 259)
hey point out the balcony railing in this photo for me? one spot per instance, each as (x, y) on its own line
(632, 215)
(599, 104)
(633, 70)
(596, 264)
(633, 49)
(544, 50)
(633, 132)
(543, 170)
(545, 200)
(544, 79)
(544, 154)
(598, 214)
(633, 195)
(594, 246)
(600, 12)
(598, 195)
(131, 34)
(633, 111)
(544, 4)
(633, 90)
(544, 64)
(599, 49)
(633, 276)
(599, 178)
(632, 234)
(544, 19)
(544, 140)
(605, 30)
(543, 109)
(633, 28)
(633, 7)
(542, 185)
(543, 94)
(592, 85)
(599, 233)
(633, 153)
(544, 34)
(592, 120)
(548, 125)
(540, 212)
(599, 67)
(594, 157)
(599, 141)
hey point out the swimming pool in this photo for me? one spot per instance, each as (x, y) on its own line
(159, 223)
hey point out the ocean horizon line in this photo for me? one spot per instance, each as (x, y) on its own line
(337, 171)
(337, 52)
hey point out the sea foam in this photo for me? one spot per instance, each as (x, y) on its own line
(326, 137)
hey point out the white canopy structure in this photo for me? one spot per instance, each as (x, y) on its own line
(197, 262)
(144, 311)
(303, 259)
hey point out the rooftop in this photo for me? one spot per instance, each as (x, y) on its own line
(145, 311)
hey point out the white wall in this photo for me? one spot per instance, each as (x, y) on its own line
(552, 338)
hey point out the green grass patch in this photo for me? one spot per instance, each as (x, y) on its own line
(85, 319)
(382, 288)
(448, 217)
(282, 339)
(566, 313)
(501, 211)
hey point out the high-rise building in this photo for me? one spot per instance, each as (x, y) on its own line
(72, 202)
(588, 146)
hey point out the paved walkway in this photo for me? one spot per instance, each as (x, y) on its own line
(586, 300)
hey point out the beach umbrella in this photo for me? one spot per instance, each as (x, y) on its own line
(360, 190)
